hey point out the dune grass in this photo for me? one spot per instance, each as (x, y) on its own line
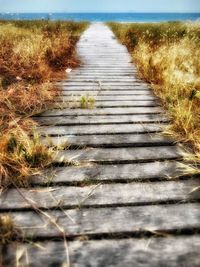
(8, 230)
(167, 55)
(33, 54)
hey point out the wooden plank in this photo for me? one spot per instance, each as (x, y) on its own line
(107, 71)
(117, 140)
(130, 85)
(151, 171)
(169, 252)
(107, 68)
(106, 64)
(107, 104)
(101, 195)
(116, 220)
(100, 98)
(101, 129)
(106, 83)
(104, 111)
(110, 119)
(142, 89)
(88, 91)
(97, 75)
(119, 155)
(77, 79)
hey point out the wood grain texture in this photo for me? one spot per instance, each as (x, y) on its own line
(155, 252)
(101, 119)
(151, 171)
(101, 195)
(120, 155)
(109, 141)
(104, 111)
(101, 128)
(111, 220)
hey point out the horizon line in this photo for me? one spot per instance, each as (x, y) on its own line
(100, 12)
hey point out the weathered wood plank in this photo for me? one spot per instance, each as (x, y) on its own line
(104, 111)
(134, 93)
(151, 171)
(156, 252)
(100, 98)
(99, 75)
(116, 220)
(101, 195)
(86, 120)
(103, 85)
(120, 155)
(101, 129)
(88, 71)
(108, 104)
(102, 89)
(112, 80)
(103, 77)
(117, 140)
(106, 83)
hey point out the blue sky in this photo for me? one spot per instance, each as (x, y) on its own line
(99, 5)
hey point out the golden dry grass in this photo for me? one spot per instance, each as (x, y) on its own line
(8, 230)
(168, 56)
(33, 54)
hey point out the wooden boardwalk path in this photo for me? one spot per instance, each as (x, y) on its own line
(117, 192)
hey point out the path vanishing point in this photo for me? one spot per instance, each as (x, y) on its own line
(117, 193)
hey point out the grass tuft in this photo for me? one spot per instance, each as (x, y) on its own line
(87, 102)
(21, 156)
(8, 230)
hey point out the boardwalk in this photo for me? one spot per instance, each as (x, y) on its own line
(115, 193)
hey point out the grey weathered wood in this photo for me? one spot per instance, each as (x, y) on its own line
(113, 94)
(108, 72)
(104, 111)
(93, 221)
(98, 75)
(118, 140)
(155, 252)
(100, 98)
(107, 83)
(101, 129)
(112, 79)
(150, 171)
(101, 195)
(87, 120)
(121, 155)
(102, 89)
(109, 104)
(88, 91)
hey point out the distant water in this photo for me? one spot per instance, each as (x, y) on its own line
(122, 17)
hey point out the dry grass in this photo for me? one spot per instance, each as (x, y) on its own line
(33, 54)
(8, 231)
(87, 102)
(167, 56)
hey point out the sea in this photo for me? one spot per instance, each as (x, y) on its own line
(104, 17)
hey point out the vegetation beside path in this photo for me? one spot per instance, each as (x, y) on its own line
(167, 55)
(33, 54)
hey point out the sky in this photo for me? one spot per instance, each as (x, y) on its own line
(100, 6)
